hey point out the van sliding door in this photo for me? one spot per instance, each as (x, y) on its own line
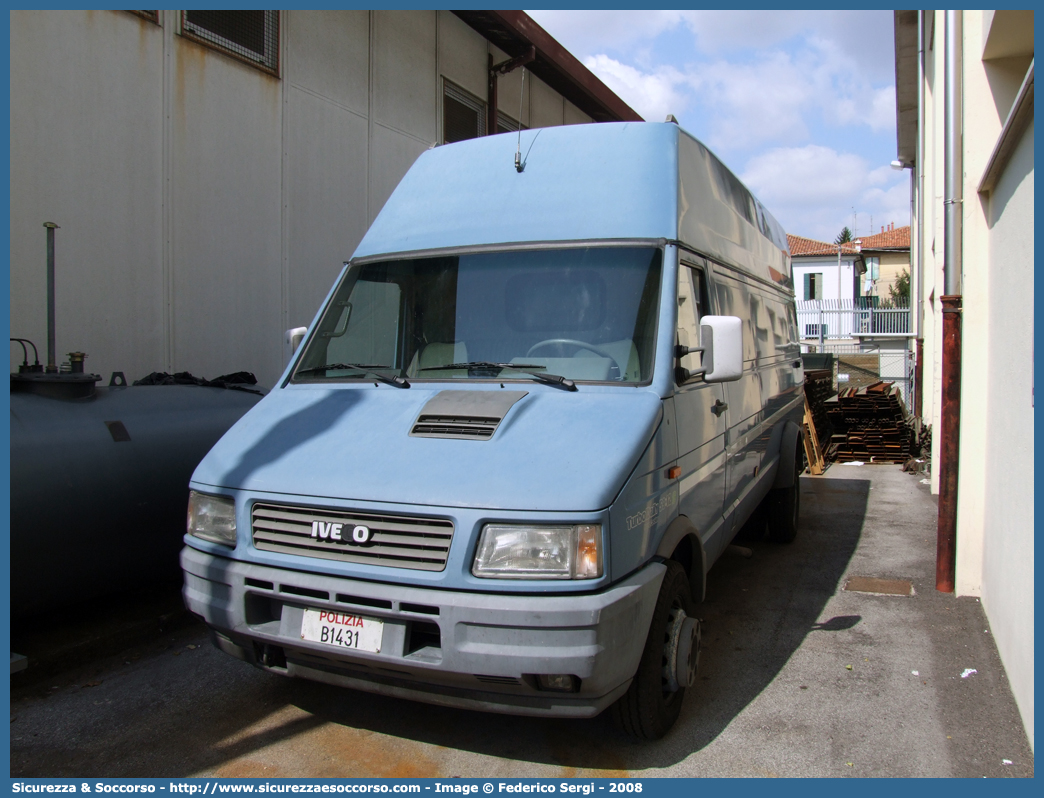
(700, 420)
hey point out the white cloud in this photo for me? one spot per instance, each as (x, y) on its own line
(775, 98)
(773, 75)
(889, 205)
(652, 94)
(751, 104)
(804, 175)
(815, 190)
(586, 33)
(866, 36)
(882, 115)
(747, 81)
(718, 31)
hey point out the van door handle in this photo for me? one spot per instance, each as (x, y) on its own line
(719, 407)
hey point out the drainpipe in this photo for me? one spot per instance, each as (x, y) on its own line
(945, 565)
(492, 73)
(917, 285)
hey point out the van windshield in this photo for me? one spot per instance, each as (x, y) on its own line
(587, 314)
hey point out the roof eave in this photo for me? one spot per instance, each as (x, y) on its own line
(906, 88)
(515, 32)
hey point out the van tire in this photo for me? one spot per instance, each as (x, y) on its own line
(646, 710)
(783, 506)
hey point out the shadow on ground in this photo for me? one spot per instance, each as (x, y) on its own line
(203, 712)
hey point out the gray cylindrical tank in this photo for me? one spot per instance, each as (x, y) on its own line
(99, 487)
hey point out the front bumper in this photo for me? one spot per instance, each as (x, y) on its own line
(471, 650)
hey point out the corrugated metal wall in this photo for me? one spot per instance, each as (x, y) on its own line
(204, 205)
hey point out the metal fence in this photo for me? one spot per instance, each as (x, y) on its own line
(858, 366)
(825, 319)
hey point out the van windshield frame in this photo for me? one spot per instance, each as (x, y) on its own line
(586, 313)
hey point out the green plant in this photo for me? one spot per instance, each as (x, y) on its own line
(899, 291)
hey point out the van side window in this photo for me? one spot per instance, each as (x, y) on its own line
(733, 300)
(367, 328)
(692, 306)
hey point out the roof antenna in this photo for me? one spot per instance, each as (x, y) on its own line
(519, 166)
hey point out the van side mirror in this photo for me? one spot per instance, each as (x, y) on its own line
(291, 340)
(722, 347)
(722, 339)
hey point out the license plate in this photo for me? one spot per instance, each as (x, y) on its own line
(342, 630)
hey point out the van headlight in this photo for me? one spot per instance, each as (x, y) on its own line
(539, 552)
(212, 518)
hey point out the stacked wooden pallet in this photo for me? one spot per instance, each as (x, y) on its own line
(819, 386)
(869, 424)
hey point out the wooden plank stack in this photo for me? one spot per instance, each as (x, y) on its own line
(813, 451)
(819, 386)
(869, 424)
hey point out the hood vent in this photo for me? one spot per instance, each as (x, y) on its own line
(464, 415)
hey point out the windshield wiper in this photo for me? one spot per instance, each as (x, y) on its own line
(478, 365)
(364, 368)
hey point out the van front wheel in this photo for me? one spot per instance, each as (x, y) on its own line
(783, 505)
(649, 708)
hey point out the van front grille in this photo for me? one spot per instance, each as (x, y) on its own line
(397, 541)
(469, 427)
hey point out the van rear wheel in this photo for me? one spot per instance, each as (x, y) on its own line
(784, 504)
(649, 708)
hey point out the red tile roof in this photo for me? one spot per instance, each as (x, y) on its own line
(809, 246)
(899, 238)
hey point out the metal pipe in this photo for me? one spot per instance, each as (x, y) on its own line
(954, 169)
(917, 284)
(919, 379)
(51, 367)
(949, 439)
(491, 97)
(495, 70)
(917, 257)
(949, 447)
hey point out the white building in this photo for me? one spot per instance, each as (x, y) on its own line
(211, 171)
(984, 61)
(825, 271)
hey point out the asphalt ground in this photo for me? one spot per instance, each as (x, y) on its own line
(798, 677)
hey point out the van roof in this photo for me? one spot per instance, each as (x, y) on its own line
(627, 180)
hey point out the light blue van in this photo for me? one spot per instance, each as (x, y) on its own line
(538, 403)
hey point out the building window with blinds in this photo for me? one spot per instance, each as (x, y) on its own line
(250, 36)
(463, 116)
(813, 286)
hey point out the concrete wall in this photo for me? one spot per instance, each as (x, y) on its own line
(995, 488)
(103, 183)
(892, 264)
(206, 206)
(1007, 558)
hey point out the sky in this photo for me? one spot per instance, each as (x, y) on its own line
(799, 104)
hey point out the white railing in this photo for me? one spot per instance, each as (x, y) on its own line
(825, 319)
